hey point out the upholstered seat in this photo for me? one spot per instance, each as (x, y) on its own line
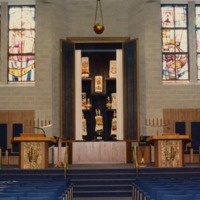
(177, 197)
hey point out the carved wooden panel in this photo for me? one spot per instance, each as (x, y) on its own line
(32, 155)
(11, 117)
(181, 115)
(170, 153)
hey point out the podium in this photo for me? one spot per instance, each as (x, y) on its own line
(168, 149)
(34, 150)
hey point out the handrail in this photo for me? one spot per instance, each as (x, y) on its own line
(66, 161)
(135, 159)
(199, 153)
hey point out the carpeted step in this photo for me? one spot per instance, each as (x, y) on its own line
(101, 171)
(99, 188)
(95, 194)
(102, 191)
(102, 176)
(101, 181)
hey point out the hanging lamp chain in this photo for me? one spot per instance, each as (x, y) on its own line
(98, 5)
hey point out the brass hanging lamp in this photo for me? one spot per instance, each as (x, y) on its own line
(98, 21)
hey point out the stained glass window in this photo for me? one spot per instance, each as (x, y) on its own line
(0, 28)
(0, 33)
(21, 53)
(198, 38)
(174, 42)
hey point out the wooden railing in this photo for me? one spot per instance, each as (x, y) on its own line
(66, 161)
(135, 159)
(0, 157)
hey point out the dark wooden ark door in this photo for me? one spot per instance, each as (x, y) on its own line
(131, 91)
(67, 93)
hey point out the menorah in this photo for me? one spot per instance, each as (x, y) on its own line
(156, 123)
(38, 122)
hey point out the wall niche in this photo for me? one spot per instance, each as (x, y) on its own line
(88, 85)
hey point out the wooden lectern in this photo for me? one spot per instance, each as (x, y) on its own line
(168, 149)
(34, 150)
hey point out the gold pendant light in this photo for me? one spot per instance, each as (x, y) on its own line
(98, 21)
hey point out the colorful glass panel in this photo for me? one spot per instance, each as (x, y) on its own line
(167, 13)
(174, 42)
(198, 39)
(198, 65)
(175, 66)
(0, 33)
(28, 41)
(180, 16)
(198, 16)
(22, 17)
(15, 42)
(21, 44)
(21, 68)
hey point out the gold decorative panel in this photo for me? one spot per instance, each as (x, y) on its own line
(33, 154)
(169, 155)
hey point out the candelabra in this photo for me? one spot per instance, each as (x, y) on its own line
(156, 123)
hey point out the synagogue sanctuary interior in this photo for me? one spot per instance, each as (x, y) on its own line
(100, 99)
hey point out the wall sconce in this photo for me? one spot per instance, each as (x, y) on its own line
(98, 21)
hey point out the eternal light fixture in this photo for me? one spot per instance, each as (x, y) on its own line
(98, 21)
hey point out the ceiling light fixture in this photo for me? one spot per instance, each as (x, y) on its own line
(98, 21)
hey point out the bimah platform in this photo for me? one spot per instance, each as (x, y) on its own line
(34, 150)
(168, 149)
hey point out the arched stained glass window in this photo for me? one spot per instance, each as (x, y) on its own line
(21, 52)
(174, 42)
